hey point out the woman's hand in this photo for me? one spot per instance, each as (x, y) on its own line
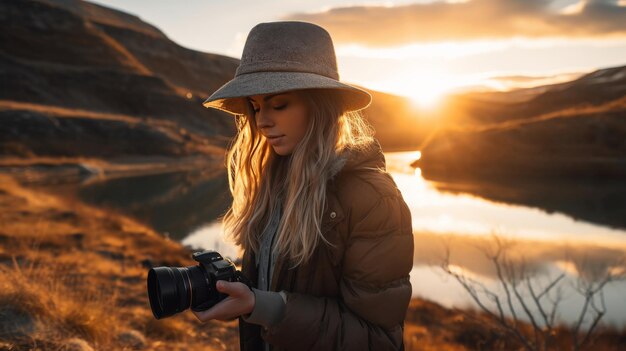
(240, 301)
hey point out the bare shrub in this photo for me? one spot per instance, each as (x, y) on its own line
(527, 300)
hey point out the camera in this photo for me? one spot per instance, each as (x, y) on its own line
(174, 289)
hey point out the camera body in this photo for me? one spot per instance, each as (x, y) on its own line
(215, 268)
(174, 289)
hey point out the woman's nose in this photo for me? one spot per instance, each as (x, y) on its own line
(263, 119)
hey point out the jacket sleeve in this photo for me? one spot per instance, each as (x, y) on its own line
(375, 289)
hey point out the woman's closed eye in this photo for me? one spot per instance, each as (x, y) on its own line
(281, 107)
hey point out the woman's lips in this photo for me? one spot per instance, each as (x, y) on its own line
(274, 140)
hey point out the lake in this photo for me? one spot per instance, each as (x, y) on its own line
(549, 242)
(540, 227)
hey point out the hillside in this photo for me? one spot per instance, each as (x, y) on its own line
(575, 142)
(79, 55)
(592, 89)
(572, 129)
(79, 79)
(563, 150)
(89, 88)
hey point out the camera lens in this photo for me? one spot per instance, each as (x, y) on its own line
(172, 289)
(168, 291)
(203, 287)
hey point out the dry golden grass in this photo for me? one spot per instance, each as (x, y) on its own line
(73, 277)
(429, 326)
(44, 295)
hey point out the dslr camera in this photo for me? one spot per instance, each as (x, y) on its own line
(174, 289)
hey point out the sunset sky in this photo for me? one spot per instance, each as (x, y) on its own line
(421, 49)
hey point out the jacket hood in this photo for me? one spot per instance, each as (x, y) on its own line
(369, 156)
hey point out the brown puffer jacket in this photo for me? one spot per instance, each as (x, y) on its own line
(352, 295)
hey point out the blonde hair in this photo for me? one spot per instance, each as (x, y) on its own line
(256, 173)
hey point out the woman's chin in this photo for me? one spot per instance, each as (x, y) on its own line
(282, 151)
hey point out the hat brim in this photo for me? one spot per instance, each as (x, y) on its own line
(231, 96)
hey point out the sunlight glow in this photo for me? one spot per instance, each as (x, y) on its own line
(426, 88)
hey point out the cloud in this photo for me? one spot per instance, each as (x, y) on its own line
(520, 81)
(471, 20)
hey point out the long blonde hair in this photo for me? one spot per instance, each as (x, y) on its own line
(259, 178)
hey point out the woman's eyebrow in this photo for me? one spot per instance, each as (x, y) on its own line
(268, 97)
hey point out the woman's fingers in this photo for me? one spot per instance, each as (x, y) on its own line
(240, 301)
(229, 288)
(221, 311)
(227, 309)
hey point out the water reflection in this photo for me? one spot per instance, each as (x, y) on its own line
(543, 261)
(174, 203)
(437, 211)
(469, 252)
(600, 201)
(548, 243)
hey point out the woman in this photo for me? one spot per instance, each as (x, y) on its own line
(326, 234)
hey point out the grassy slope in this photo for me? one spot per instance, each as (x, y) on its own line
(71, 271)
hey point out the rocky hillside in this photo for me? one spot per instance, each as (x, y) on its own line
(574, 129)
(78, 78)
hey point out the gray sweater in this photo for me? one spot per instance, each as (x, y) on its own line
(269, 306)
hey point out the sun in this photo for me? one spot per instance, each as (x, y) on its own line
(426, 90)
(426, 97)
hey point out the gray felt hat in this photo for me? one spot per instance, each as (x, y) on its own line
(283, 56)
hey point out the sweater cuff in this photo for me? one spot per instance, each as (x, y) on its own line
(269, 308)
